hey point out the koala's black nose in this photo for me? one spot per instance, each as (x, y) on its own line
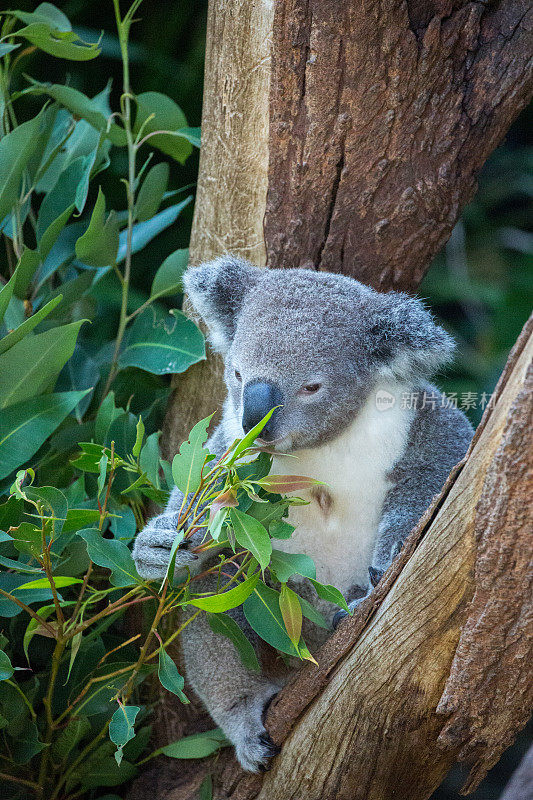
(257, 400)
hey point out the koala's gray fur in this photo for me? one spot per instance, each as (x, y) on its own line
(291, 329)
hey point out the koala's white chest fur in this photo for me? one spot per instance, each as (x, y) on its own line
(340, 534)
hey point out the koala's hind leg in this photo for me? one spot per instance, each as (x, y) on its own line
(235, 697)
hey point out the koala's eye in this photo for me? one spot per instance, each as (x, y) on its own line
(238, 375)
(310, 388)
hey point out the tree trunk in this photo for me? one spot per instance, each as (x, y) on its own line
(347, 136)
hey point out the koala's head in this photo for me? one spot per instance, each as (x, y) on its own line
(313, 343)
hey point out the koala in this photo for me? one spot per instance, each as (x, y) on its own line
(344, 365)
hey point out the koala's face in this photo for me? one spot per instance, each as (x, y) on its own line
(312, 344)
(294, 347)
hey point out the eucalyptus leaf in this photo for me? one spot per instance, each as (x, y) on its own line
(169, 676)
(34, 363)
(226, 626)
(252, 535)
(187, 465)
(168, 278)
(16, 149)
(151, 192)
(228, 599)
(112, 554)
(162, 343)
(98, 247)
(6, 670)
(158, 112)
(24, 427)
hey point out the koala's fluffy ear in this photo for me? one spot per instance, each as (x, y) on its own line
(217, 290)
(409, 343)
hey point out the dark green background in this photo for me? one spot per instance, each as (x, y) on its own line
(480, 285)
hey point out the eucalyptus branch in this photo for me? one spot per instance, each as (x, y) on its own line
(42, 622)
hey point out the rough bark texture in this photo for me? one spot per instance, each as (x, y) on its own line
(381, 115)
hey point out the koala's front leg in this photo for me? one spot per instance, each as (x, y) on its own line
(151, 551)
(235, 697)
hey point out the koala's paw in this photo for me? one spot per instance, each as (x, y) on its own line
(253, 746)
(151, 551)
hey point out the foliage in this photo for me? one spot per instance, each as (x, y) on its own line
(59, 253)
(68, 567)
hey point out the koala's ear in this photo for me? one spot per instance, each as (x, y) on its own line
(217, 290)
(409, 343)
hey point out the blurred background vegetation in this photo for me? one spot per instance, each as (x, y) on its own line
(480, 285)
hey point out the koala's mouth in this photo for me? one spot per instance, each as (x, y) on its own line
(281, 445)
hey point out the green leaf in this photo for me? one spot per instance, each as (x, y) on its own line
(170, 677)
(284, 484)
(16, 149)
(188, 463)
(286, 564)
(161, 345)
(54, 502)
(226, 626)
(112, 554)
(199, 745)
(106, 772)
(168, 278)
(151, 192)
(165, 115)
(107, 413)
(78, 518)
(50, 235)
(226, 600)
(25, 426)
(34, 626)
(205, 792)
(98, 247)
(252, 535)
(74, 648)
(7, 48)
(330, 593)
(26, 268)
(250, 437)
(193, 135)
(121, 727)
(6, 670)
(149, 458)
(144, 232)
(61, 44)
(263, 613)
(43, 583)
(291, 611)
(81, 106)
(19, 333)
(138, 439)
(6, 293)
(34, 363)
(77, 728)
(309, 611)
(102, 473)
(56, 203)
(281, 530)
